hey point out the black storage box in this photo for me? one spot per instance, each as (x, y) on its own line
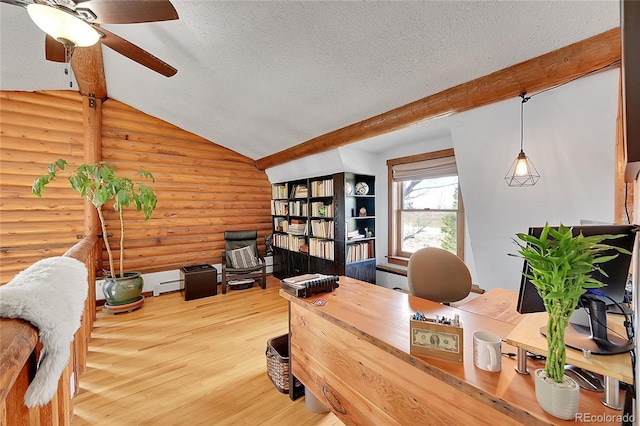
(199, 281)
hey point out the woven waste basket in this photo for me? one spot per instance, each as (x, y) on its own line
(278, 363)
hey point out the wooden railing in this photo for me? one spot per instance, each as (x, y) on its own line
(19, 349)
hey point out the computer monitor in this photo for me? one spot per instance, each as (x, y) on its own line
(593, 337)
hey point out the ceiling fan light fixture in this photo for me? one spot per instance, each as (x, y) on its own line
(63, 26)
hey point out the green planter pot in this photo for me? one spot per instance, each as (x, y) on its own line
(121, 291)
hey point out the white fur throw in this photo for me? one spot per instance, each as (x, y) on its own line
(50, 295)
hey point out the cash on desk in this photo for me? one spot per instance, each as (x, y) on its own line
(436, 339)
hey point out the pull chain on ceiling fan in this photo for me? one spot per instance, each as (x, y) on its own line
(70, 24)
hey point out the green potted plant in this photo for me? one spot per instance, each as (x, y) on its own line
(560, 267)
(100, 184)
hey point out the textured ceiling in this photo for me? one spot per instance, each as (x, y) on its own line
(261, 76)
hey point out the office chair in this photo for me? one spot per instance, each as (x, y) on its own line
(241, 259)
(438, 275)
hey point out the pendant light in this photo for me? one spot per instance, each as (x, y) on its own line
(63, 26)
(522, 172)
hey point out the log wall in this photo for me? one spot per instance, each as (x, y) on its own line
(203, 189)
(20, 350)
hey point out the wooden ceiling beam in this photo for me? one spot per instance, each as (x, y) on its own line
(534, 75)
(88, 68)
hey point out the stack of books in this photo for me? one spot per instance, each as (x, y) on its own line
(298, 227)
(299, 191)
(354, 235)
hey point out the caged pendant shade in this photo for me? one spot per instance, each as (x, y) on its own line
(62, 26)
(522, 171)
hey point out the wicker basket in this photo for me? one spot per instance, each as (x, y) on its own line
(278, 365)
(278, 362)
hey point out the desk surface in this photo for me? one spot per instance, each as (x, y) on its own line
(497, 303)
(381, 316)
(500, 304)
(527, 336)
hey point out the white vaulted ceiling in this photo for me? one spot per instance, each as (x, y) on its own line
(261, 76)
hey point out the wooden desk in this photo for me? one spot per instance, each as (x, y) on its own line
(497, 303)
(353, 354)
(527, 336)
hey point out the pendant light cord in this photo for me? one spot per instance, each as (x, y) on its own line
(611, 64)
(524, 99)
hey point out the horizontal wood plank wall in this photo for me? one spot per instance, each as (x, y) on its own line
(36, 128)
(203, 189)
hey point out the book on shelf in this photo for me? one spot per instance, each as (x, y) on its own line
(297, 227)
(322, 228)
(279, 190)
(354, 235)
(322, 188)
(296, 242)
(360, 251)
(321, 248)
(299, 191)
(279, 207)
(280, 224)
(298, 208)
(320, 209)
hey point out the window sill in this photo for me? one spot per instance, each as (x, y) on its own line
(397, 260)
(392, 270)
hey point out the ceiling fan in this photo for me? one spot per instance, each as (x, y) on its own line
(70, 23)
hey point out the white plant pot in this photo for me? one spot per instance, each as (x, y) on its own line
(558, 399)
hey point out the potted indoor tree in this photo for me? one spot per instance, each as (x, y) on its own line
(100, 184)
(560, 267)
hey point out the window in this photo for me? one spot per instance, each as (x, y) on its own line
(426, 207)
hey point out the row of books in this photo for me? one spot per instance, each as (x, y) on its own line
(322, 188)
(322, 228)
(279, 190)
(321, 248)
(298, 208)
(299, 191)
(320, 209)
(280, 224)
(279, 207)
(360, 251)
(290, 242)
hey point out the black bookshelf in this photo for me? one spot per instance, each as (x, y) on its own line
(327, 226)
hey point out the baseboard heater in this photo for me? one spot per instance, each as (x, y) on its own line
(167, 286)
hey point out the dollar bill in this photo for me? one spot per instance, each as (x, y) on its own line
(436, 340)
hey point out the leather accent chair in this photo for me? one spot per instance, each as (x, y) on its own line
(234, 240)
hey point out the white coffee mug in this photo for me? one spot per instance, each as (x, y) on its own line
(487, 351)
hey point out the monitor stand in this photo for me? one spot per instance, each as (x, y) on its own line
(595, 337)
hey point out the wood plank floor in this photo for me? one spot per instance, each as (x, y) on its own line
(200, 362)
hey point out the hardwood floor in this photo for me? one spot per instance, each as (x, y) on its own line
(200, 362)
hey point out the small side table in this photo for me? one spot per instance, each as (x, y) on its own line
(199, 281)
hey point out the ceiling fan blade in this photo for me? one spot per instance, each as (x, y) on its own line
(135, 53)
(54, 50)
(21, 3)
(128, 12)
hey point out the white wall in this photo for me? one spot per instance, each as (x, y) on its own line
(569, 134)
